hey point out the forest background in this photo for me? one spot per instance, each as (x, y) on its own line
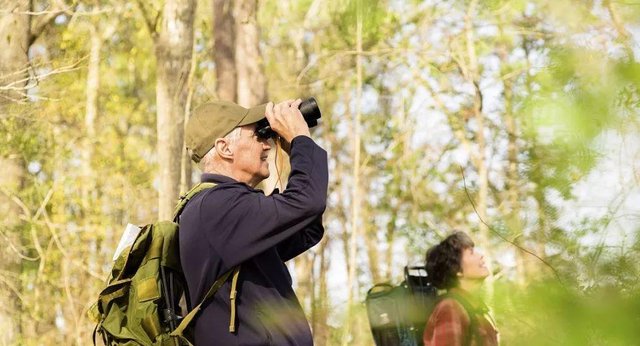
(515, 121)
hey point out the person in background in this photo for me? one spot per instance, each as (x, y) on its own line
(460, 317)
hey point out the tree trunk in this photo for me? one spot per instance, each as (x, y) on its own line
(251, 80)
(91, 113)
(371, 241)
(513, 187)
(186, 167)
(321, 302)
(473, 76)
(224, 34)
(14, 47)
(390, 237)
(11, 181)
(173, 49)
(352, 281)
(88, 185)
(239, 70)
(303, 268)
(480, 159)
(536, 177)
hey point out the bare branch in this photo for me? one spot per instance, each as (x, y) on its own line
(457, 131)
(68, 294)
(54, 233)
(624, 35)
(46, 17)
(150, 22)
(37, 247)
(615, 18)
(8, 283)
(70, 10)
(16, 250)
(464, 180)
(36, 78)
(346, 53)
(13, 99)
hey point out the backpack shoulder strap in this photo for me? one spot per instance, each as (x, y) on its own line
(184, 199)
(471, 311)
(178, 332)
(235, 271)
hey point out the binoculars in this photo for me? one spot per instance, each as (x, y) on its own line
(309, 109)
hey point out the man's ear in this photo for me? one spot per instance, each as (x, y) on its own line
(223, 149)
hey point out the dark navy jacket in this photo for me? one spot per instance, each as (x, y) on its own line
(235, 224)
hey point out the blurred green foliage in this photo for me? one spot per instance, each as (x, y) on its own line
(547, 313)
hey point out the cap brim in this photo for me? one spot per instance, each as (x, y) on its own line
(254, 114)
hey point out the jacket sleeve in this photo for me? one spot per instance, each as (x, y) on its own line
(301, 241)
(447, 325)
(253, 222)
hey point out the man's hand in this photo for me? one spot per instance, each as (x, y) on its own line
(286, 120)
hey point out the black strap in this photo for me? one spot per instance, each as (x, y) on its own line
(472, 330)
(95, 330)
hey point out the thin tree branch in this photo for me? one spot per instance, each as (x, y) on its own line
(45, 18)
(16, 250)
(624, 34)
(12, 288)
(466, 191)
(36, 78)
(149, 22)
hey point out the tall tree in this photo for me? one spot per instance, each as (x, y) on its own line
(173, 45)
(471, 73)
(239, 68)
(15, 25)
(15, 36)
(224, 50)
(251, 82)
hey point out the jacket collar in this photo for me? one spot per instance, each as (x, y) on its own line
(221, 179)
(216, 178)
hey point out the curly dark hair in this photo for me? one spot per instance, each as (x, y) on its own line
(443, 260)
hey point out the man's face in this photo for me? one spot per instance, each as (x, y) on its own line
(250, 156)
(472, 264)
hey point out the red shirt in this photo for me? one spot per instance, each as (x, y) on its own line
(449, 322)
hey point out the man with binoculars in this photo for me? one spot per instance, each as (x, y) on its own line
(234, 235)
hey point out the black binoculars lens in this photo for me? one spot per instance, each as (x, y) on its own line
(309, 109)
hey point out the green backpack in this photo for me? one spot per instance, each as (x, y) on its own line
(140, 304)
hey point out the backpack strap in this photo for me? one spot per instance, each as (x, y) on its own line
(178, 332)
(232, 299)
(184, 199)
(472, 331)
(218, 283)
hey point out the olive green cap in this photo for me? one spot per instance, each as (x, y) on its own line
(214, 120)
